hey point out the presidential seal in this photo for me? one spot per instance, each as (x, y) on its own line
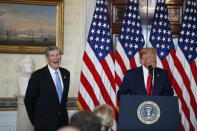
(148, 112)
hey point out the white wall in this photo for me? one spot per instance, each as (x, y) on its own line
(8, 120)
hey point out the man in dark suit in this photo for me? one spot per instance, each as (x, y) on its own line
(46, 94)
(135, 81)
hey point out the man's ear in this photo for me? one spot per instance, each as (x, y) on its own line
(142, 61)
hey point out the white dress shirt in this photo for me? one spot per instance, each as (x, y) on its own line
(145, 73)
(52, 72)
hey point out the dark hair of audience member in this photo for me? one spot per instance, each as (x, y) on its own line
(86, 121)
(68, 128)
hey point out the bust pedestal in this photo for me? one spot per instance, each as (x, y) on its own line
(23, 122)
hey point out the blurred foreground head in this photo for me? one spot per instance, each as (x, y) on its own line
(86, 121)
(68, 128)
(106, 113)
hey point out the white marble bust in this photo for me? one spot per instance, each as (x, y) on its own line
(26, 67)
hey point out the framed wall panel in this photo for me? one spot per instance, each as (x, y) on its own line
(29, 26)
(146, 9)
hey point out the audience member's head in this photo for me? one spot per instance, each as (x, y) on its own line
(85, 121)
(68, 128)
(106, 113)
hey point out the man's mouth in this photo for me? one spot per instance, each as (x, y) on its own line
(55, 62)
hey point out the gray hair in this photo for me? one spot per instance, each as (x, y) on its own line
(50, 48)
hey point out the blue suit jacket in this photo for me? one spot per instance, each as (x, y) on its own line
(133, 83)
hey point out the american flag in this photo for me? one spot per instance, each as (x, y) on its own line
(161, 39)
(130, 41)
(97, 83)
(186, 69)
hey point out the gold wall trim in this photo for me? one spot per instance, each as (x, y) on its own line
(10, 104)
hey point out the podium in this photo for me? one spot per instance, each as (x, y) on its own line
(148, 113)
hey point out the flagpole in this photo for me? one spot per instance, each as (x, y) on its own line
(146, 24)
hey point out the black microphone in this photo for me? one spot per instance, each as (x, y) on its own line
(150, 69)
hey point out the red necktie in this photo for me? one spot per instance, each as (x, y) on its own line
(149, 85)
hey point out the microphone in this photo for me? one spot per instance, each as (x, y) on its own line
(150, 69)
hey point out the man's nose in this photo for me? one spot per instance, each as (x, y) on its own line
(152, 59)
(56, 57)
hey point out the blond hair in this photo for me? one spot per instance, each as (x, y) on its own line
(147, 50)
(106, 113)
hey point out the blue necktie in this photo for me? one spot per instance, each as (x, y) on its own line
(58, 86)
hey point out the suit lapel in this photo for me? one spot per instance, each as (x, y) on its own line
(64, 79)
(51, 82)
(156, 80)
(141, 82)
(49, 77)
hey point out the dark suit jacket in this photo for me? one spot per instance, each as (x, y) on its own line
(41, 100)
(133, 83)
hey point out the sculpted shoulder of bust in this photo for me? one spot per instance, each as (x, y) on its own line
(26, 67)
